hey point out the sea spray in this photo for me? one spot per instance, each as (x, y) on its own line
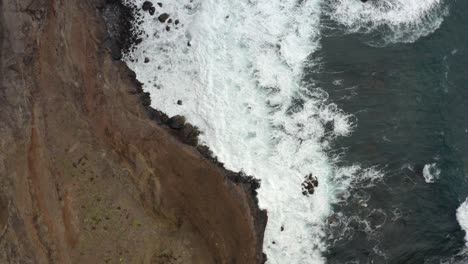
(462, 217)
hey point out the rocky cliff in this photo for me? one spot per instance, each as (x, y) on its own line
(86, 174)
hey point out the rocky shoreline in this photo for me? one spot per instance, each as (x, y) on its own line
(89, 172)
(125, 36)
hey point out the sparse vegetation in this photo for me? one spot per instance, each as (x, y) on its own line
(165, 257)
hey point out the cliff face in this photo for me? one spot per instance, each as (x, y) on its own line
(85, 175)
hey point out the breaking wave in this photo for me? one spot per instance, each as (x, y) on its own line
(388, 21)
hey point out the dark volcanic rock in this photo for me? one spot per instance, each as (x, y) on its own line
(152, 10)
(114, 49)
(163, 17)
(309, 185)
(190, 134)
(148, 6)
(176, 122)
(119, 20)
(146, 99)
(156, 115)
(241, 178)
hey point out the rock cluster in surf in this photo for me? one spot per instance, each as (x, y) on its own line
(164, 18)
(148, 6)
(309, 185)
(122, 19)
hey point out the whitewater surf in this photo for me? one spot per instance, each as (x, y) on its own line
(236, 69)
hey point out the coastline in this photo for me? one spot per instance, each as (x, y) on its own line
(124, 37)
(87, 173)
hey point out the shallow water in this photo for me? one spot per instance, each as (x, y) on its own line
(369, 98)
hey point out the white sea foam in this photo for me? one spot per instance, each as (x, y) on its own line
(237, 68)
(396, 20)
(240, 83)
(431, 173)
(462, 217)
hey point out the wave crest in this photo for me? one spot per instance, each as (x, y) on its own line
(388, 21)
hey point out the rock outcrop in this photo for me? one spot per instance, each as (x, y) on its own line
(87, 175)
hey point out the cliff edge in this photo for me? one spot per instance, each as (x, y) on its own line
(86, 174)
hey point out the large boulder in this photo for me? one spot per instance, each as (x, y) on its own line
(163, 17)
(148, 6)
(176, 122)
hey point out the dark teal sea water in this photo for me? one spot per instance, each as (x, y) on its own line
(411, 105)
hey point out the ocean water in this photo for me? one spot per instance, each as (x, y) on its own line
(369, 98)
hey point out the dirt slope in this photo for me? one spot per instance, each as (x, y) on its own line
(85, 175)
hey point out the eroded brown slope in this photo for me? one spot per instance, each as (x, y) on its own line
(85, 175)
